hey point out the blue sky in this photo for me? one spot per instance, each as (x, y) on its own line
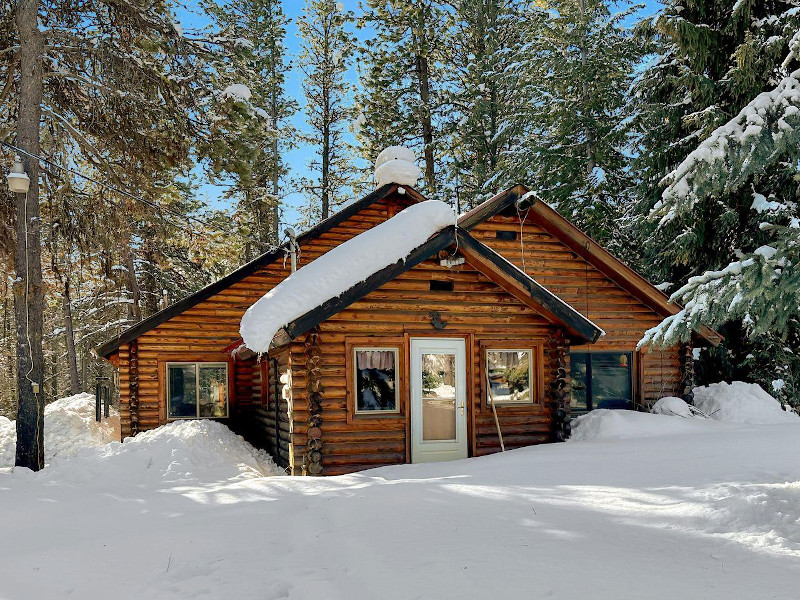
(299, 158)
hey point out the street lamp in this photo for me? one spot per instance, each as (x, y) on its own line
(18, 180)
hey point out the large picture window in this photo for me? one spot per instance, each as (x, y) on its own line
(197, 390)
(600, 380)
(509, 375)
(376, 380)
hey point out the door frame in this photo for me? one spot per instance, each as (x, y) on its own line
(469, 341)
(468, 429)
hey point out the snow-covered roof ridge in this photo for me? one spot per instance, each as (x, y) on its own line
(341, 268)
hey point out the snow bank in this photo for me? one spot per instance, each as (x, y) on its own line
(340, 269)
(183, 452)
(604, 424)
(69, 426)
(740, 402)
(672, 406)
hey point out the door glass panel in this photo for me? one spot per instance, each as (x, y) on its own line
(438, 397)
(213, 391)
(182, 391)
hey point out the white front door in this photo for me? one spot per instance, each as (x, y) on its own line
(438, 399)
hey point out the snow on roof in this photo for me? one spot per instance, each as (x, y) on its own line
(340, 269)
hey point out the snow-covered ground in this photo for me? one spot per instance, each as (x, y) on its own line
(638, 506)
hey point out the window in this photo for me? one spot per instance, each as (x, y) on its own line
(376, 380)
(600, 380)
(509, 376)
(197, 390)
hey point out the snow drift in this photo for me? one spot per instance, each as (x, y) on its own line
(604, 424)
(341, 268)
(740, 402)
(190, 451)
(69, 426)
(672, 406)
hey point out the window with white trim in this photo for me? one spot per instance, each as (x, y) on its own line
(376, 380)
(197, 390)
(509, 375)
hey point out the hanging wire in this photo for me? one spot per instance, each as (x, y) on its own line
(522, 219)
(105, 185)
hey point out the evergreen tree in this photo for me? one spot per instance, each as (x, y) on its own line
(727, 217)
(484, 38)
(571, 129)
(403, 100)
(327, 49)
(256, 68)
(131, 100)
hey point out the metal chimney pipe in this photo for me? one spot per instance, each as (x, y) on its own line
(289, 232)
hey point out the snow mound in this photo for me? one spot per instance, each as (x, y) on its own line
(69, 426)
(740, 402)
(605, 424)
(182, 452)
(340, 269)
(670, 405)
(395, 164)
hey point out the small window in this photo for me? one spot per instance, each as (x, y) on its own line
(376, 380)
(506, 236)
(440, 285)
(600, 380)
(509, 376)
(197, 390)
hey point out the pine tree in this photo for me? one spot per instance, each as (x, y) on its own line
(403, 100)
(256, 29)
(484, 41)
(571, 131)
(128, 99)
(327, 49)
(728, 216)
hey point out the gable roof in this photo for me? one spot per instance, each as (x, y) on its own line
(130, 334)
(483, 258)
(519, 198)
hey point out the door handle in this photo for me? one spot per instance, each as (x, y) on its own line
(462, 408)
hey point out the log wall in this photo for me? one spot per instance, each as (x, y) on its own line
(624, 318)
(204, 330)
(264, 421)
(477, 310)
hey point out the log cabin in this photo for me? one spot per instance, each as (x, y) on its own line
(491, 333)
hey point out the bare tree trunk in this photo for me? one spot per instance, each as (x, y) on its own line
(135, 308)
(588, 131)
(276, 180)
(28, 289)
(326, 130)
(69, 337)
(423, 76)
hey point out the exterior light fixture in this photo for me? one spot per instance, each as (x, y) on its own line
(18, 180)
